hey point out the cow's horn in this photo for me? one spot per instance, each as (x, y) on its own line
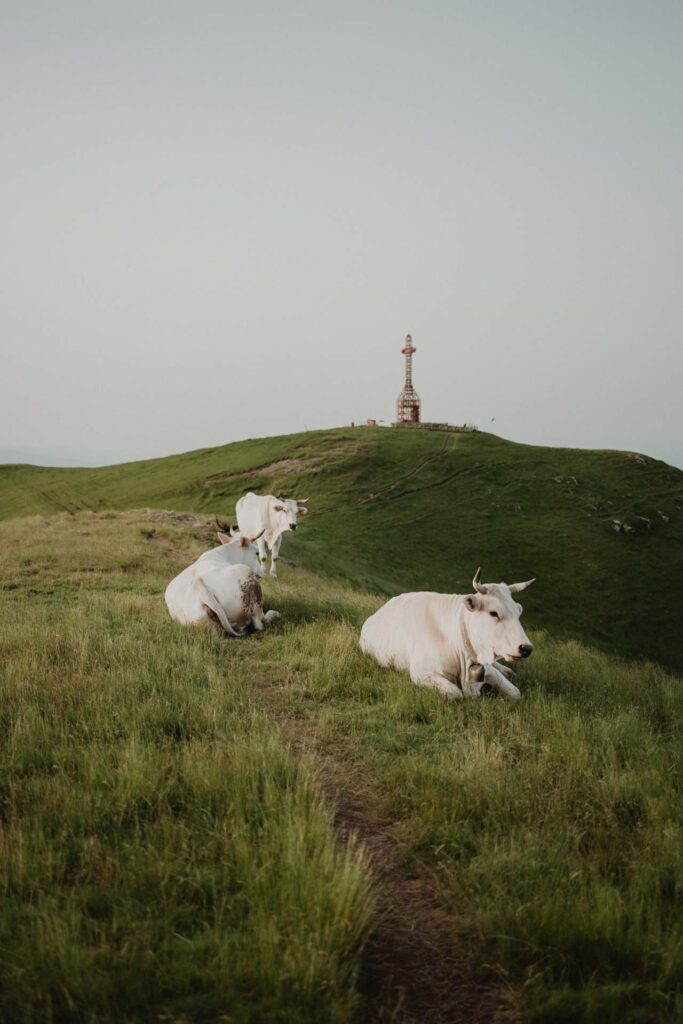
(476, 584)
(516, 587)
(301, 501)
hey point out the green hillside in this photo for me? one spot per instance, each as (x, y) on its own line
(276, 830)
(399, 509)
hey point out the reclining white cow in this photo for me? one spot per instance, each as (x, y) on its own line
(447, 639)
(269, 517)
(222, 589)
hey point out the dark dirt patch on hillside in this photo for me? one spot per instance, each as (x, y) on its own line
(294, 465)
(194, 526)
(281, 466)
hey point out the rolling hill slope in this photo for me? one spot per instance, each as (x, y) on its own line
(276, 830)
(421, 509)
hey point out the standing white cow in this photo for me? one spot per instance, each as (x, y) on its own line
(270, 517)
(221, 588)
(447, 639)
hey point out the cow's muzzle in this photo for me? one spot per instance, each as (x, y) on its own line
(292, 526)
(525, 650)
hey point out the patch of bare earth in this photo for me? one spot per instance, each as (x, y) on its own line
(282, 466)
(173, 531)
(290, 466)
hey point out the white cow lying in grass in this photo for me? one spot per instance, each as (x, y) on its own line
(221, 588)
(447, 639)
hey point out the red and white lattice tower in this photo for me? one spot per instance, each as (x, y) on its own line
(408, 402)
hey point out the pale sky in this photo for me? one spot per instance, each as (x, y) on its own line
(219, 221)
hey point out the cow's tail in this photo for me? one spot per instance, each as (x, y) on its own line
(210, 599)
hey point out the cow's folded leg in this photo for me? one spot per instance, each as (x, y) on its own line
(260, 621)
(505, 669)
(495, 678)
(474, 680)
(472, 688)
(439, 683)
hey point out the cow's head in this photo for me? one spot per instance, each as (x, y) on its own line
(492, 619)
(286, 511)
(245, 549)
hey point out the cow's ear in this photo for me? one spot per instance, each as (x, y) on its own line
(472, 602)
(278, 508)
(224, 538)
(302, 510)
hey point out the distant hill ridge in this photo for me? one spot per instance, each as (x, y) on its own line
(421, 509)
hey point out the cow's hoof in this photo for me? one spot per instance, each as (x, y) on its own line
(513, 693)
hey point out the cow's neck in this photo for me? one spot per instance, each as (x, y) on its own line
(467, 643)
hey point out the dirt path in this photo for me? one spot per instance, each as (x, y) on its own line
(413, 971)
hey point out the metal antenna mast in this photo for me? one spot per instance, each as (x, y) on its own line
(408, 402)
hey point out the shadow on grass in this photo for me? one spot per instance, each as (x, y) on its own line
(296, 608)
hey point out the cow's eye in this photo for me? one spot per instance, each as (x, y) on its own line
(494, 615)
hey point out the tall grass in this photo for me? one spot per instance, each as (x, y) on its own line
(166, 854)
(163, 853)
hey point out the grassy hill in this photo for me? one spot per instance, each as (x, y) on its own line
(405, 509)
(275, 830)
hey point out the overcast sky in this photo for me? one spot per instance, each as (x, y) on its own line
(219, 221)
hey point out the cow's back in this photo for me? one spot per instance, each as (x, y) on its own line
(228, 554)
(252, 513)
(406, 626)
